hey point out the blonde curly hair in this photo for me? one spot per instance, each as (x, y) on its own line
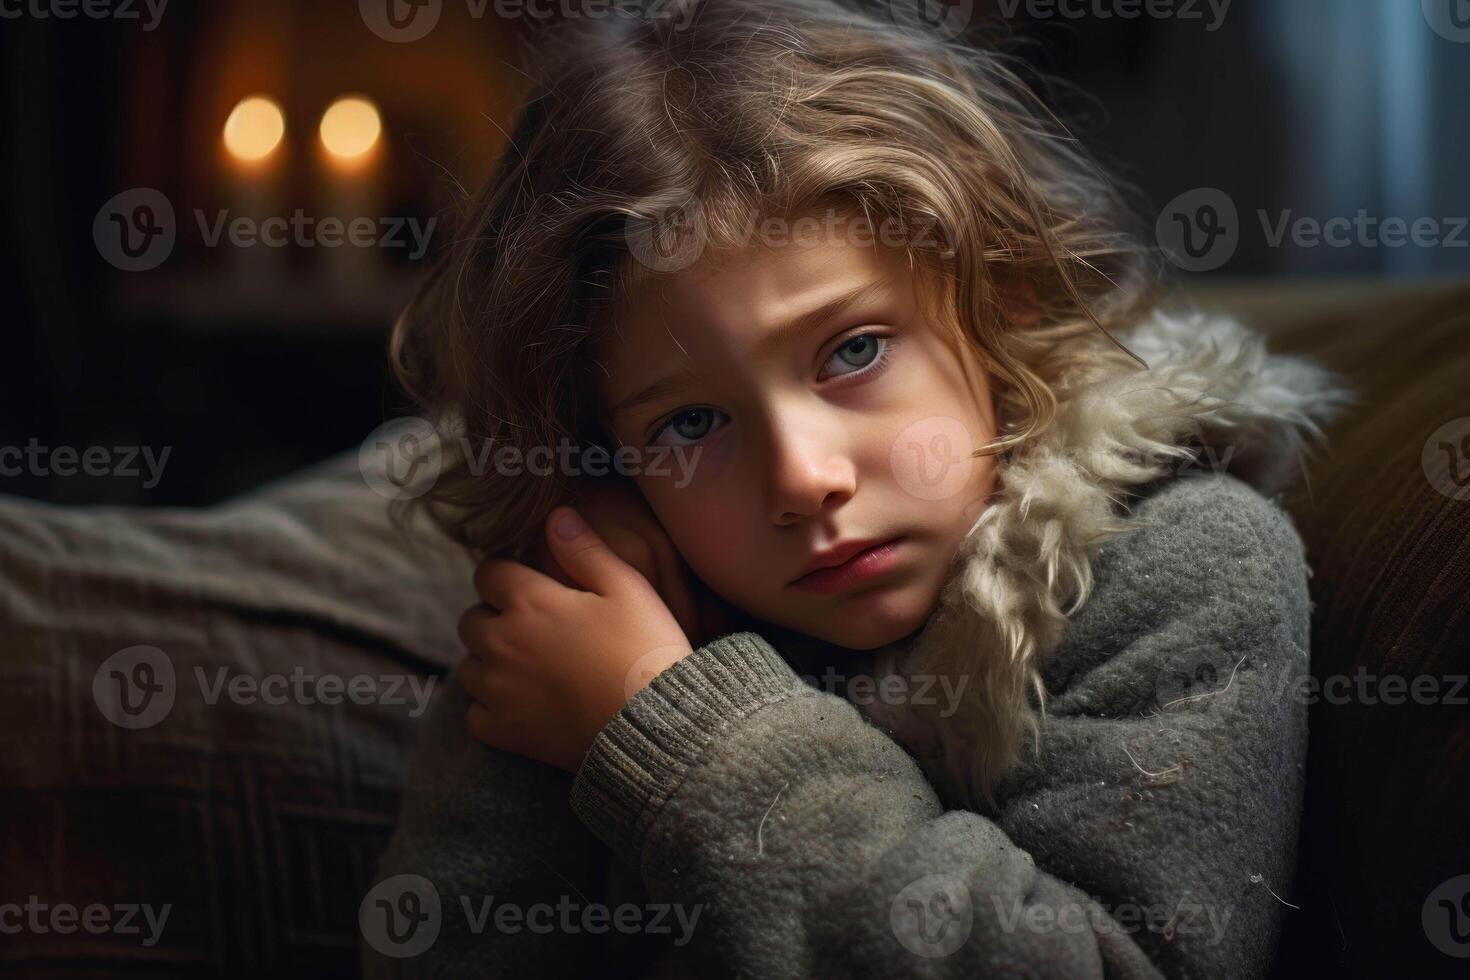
(771, 107)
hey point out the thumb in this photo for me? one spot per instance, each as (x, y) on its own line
(582, 552)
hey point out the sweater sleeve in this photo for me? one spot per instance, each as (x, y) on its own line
(1146, 841)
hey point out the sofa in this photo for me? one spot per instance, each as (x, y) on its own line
(208, 713)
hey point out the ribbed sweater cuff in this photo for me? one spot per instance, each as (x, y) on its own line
(640, 757)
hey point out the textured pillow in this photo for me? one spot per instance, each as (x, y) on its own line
(1386, 836)
(258, 824)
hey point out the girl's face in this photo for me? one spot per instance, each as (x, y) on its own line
(796, 402)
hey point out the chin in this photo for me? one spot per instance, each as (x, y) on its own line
(876, 620)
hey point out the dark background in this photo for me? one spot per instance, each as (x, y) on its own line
(247, 364)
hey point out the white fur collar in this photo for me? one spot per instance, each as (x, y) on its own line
(1209, 381)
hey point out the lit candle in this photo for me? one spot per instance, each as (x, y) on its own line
(252, 137)
(351, 144)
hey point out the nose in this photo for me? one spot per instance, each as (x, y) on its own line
(809, 469)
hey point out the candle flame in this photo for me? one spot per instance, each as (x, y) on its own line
(350, 127)
(254, 128)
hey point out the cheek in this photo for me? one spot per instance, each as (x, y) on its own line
(976, 497)
(930, 458)
(715, 555)
(706, 465)
(921, 445)
(706, 527)
(933, 457)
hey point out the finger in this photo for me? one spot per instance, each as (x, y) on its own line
(471, 674)
(475, 624)
(539, 557)
(497, 579)
(582, 552)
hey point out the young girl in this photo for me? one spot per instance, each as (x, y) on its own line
(814, 309)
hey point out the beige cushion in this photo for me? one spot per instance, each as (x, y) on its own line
(259, 824)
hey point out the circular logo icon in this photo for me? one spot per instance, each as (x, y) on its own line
(932, 917)
(1446, 459)
(1199, 230)
(400, 21)
(401, 458)
(931, 458)
(135, 230)
(944, 20)
(648, 666)
(134, 688)
(671, 240)
(401, 915)
(1446, 917)
(1204, 670)
(1450, 19)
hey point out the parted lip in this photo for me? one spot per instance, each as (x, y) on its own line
(836, 555)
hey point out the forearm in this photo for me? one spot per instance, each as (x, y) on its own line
(814, 843)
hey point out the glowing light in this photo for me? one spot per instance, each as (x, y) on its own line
(254, 128)
(350, 127)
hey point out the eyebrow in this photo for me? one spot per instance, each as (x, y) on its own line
(678, 381)
(785, 333)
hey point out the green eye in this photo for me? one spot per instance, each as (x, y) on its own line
(690, 424)
(693, 424)
(859, 351)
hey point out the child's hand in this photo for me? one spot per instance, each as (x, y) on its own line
(553, 665)
(620, 515)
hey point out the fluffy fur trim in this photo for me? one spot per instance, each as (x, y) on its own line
(1212, 398)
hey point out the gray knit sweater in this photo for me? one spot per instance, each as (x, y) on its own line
(736, 819)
